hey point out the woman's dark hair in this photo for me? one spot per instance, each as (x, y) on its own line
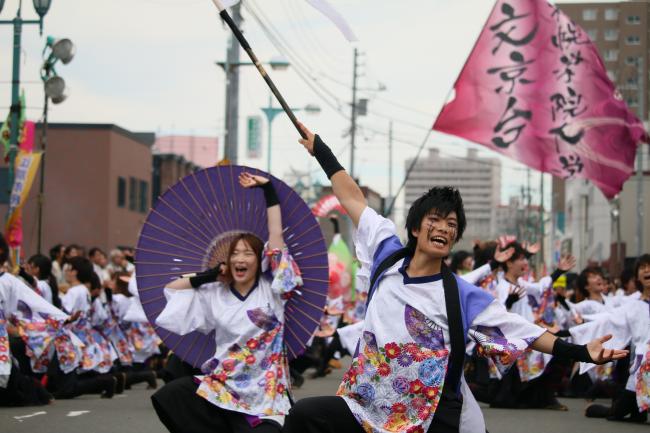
(626, 276)
(457, 260)
(441, 200)
(256, 245)
(121, 286)
(644, 260)
(44, 266)
(583, 281)
(84, 269)
(55, 251)
(520, 252)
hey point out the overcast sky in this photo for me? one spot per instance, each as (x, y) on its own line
(148, 65)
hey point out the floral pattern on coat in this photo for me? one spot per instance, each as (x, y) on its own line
(252, 376)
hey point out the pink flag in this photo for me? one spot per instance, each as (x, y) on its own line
(535, 89)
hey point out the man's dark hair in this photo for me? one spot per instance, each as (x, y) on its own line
(83, 267)
(441, 200)
(55, 251)
(641, 261)
(583, 280)
(95, 250)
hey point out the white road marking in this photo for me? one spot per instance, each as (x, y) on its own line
(22, 417)
(77, 412)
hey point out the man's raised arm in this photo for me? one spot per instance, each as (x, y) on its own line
(345, 188)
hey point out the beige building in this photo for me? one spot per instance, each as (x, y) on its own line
(478, 180)
(97, 188)
(620, 31)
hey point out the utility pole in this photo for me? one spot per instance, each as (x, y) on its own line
(353, 128)
(232, 90)
(639, 164)
(390, 163)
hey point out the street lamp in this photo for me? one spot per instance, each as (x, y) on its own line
(54, 88)
(271, 112)
(41, 7)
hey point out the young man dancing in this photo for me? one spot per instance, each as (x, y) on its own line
(407, 370)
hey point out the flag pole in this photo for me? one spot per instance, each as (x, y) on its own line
(244, 43)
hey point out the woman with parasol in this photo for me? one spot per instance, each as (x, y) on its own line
(245, 386)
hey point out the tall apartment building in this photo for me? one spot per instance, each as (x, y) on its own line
(477, 178)
(620, 31)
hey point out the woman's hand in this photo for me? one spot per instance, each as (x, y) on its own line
(600, 355)
(566, 263)
(503, 256)
(309, 142)
(248, 180)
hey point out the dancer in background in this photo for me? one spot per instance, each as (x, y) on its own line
(629, 324)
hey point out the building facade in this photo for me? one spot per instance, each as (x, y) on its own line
(200, 151)
(477, 178)
(97, 188)
(585, 223)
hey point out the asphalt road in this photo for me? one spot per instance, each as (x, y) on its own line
(131, 412)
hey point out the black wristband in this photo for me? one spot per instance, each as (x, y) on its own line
(270, 195)
(494, 265)
(556, 274)
(206, 277)
(326, 158)
(564, 350)
(562, 301)
(511, 299)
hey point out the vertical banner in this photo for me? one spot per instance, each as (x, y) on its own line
(254, 141)
(26, 168)
(536, 90)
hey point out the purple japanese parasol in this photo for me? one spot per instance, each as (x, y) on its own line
(189, 230)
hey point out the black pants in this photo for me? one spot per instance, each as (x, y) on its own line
(623, 405)
(182, 411)
(332, 415)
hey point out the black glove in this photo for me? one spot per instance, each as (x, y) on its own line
(270, 195)
(511, 299)
(564, 350)
(205, 277)
(326, 158)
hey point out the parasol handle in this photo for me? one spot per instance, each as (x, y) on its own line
(244, 43)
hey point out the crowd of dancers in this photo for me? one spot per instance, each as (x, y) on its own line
(442, 331)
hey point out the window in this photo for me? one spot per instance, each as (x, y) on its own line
(611, 55)
(631, 60)
(633, 40)
(611, 14)
(590, 14)
(632, 101)
(593, 34)
(633, 19)
(632, 81)
(133, 193)
(121, 192)
(144, 196)
(611, 35)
